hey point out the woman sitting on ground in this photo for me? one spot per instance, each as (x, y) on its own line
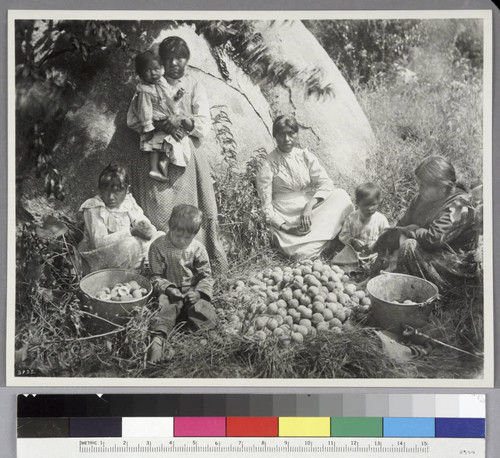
(303, 208)
(440, 225)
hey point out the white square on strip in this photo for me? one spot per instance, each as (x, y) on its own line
(147, 427)
(447, 405)
(423, 405)
(472, 406)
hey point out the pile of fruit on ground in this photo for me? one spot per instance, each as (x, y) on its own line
(290, 303)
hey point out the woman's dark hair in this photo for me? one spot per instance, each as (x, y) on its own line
(186, 217)
(367, 191)
(143, 59)
(113, 176)
(283, 121)
(174, 45)
(437, 171)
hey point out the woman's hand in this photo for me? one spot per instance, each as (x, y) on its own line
(409, 230)
(179, 133)
(305, 218)
(170, 124)
(187, 124)
(192, 297)
(143, 230)
(294, 230)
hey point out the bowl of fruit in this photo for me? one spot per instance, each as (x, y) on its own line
(110, 295)
(399, 300)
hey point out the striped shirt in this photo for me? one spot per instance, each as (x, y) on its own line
(183, 268)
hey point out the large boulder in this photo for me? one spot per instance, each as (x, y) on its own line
(334, 128)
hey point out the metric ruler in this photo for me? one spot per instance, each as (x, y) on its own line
(254, 447)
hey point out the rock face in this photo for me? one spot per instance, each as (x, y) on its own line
(335, 129)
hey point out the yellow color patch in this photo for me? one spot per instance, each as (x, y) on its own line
(304, 427)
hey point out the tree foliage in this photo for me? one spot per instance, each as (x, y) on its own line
(366, 50)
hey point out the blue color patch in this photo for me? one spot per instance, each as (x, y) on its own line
(95, 427)
(408, 427)
(460, 427)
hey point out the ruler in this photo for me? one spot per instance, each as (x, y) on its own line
(251, 447)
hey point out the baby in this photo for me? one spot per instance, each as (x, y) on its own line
(363, 226)
(182, 278)
(152, 102)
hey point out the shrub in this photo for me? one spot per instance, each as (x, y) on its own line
(243, 227)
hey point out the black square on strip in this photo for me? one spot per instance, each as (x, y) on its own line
(42, 427)
(95, 427)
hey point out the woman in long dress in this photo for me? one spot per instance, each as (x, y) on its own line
(440, 224)
(304, 210)
(191, 184)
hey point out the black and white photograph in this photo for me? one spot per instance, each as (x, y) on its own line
(265, 199)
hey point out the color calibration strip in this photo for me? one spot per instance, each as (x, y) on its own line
(253, 405)
(129, 427)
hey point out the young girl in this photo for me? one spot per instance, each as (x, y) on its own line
(116, 234)
(153, 101)
(362, 227)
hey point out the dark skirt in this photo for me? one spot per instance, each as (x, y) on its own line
(445, 268)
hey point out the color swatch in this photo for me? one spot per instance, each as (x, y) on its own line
(364, 416)
(253, 405)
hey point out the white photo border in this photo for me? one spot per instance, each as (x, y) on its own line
(488, 281)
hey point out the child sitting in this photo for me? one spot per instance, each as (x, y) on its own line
(153, 102)
(363, 226)
(116, 234)
(182, 277)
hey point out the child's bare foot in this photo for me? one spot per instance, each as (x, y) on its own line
(160, 350)
(158, 176)
(163, 166)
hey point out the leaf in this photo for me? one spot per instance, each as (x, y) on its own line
(51, 228)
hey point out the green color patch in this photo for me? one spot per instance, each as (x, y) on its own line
(356, 427)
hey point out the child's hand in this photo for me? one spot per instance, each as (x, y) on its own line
(147, 136)
(173, 293)
(358, 245)
(143, 230)
(192, 297)
(369, 247)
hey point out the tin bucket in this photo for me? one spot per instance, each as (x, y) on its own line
(115, 312)
(387, 288)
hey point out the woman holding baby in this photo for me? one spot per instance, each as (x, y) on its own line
(188, 181)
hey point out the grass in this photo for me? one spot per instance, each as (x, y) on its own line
(60, 346)
(438, 113)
